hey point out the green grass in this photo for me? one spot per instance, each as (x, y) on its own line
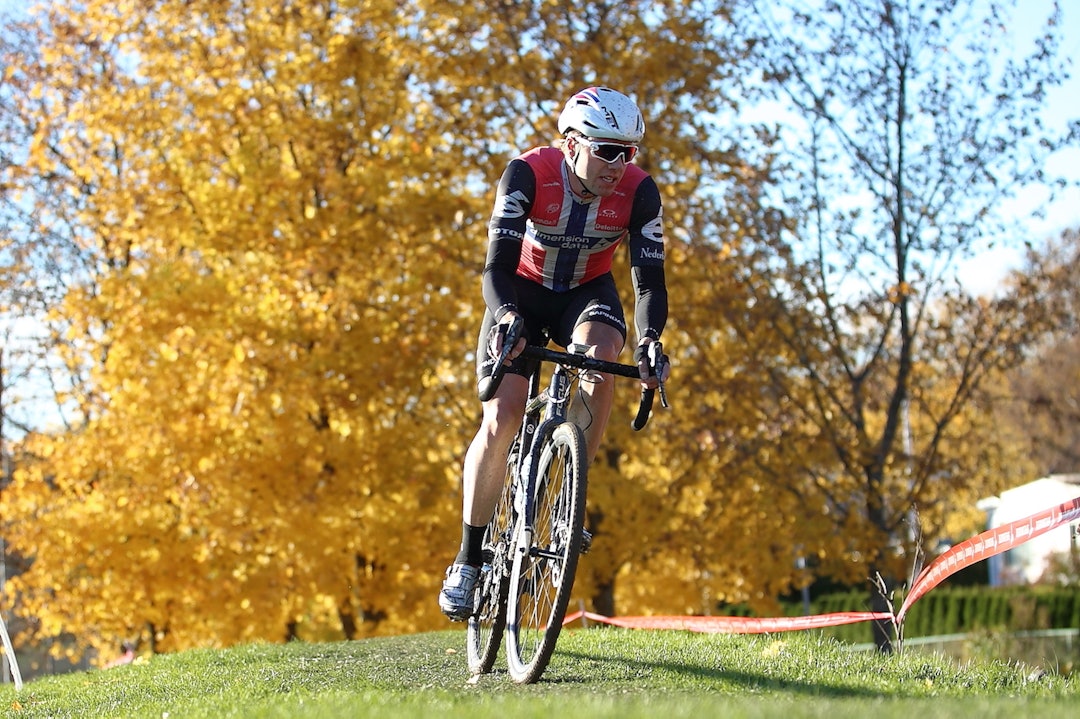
(623, 674)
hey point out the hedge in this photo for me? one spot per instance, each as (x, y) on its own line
(959, 610)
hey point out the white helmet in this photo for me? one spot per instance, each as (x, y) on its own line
(603, 113)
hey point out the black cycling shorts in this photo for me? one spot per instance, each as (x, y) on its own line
(554, 315)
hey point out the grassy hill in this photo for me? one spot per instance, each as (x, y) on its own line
(622, 674)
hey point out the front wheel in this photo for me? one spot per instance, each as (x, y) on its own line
(487, 624)
(546, 554)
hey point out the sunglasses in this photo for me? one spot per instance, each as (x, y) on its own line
(610, 152)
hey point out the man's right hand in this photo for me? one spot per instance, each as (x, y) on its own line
(499, 333)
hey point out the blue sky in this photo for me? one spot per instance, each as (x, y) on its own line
(984, 273)
(1063, 105)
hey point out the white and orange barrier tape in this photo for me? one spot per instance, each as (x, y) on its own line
(986, 545)
(965, 554)
(732, 625)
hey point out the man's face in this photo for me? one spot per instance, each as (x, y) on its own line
(600, 164)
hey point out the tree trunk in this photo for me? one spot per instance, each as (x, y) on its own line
(348, 622)
(603, 600)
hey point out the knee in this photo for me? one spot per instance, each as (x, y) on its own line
(608, 351)
(606, 342)
(606, 348)
(501, 418)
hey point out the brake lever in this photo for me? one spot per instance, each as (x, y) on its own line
(513, 333)
(656, 354)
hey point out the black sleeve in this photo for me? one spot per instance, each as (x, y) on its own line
(646, 241)
(513, 202)
(651, 307)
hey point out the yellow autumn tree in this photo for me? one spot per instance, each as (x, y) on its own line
(279, 261)
(272, 223)
(266, 223)
(280, 211)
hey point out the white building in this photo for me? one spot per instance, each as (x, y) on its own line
(1027, 563)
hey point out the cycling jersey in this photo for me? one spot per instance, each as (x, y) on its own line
(541, 231)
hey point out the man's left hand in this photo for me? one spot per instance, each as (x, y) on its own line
(652, 368)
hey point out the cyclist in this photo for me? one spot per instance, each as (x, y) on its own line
(560, 214)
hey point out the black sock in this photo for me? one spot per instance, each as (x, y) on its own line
(472, 545)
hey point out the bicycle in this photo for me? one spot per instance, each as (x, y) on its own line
(532, 543)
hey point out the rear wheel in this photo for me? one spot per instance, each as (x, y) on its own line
(545, 558)
(487, 625)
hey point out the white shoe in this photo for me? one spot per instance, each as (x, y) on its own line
(457, 599)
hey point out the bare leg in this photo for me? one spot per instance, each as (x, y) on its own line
(592, 413)
(485, 461)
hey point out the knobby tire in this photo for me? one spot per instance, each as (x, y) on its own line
(542, 576)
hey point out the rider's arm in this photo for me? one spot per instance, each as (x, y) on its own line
(513, 201)
(646, 241)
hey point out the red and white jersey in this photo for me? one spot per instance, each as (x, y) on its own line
(564, 241)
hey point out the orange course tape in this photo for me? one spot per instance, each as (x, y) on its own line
(963, 555)
(985, 545)
(732, 625)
